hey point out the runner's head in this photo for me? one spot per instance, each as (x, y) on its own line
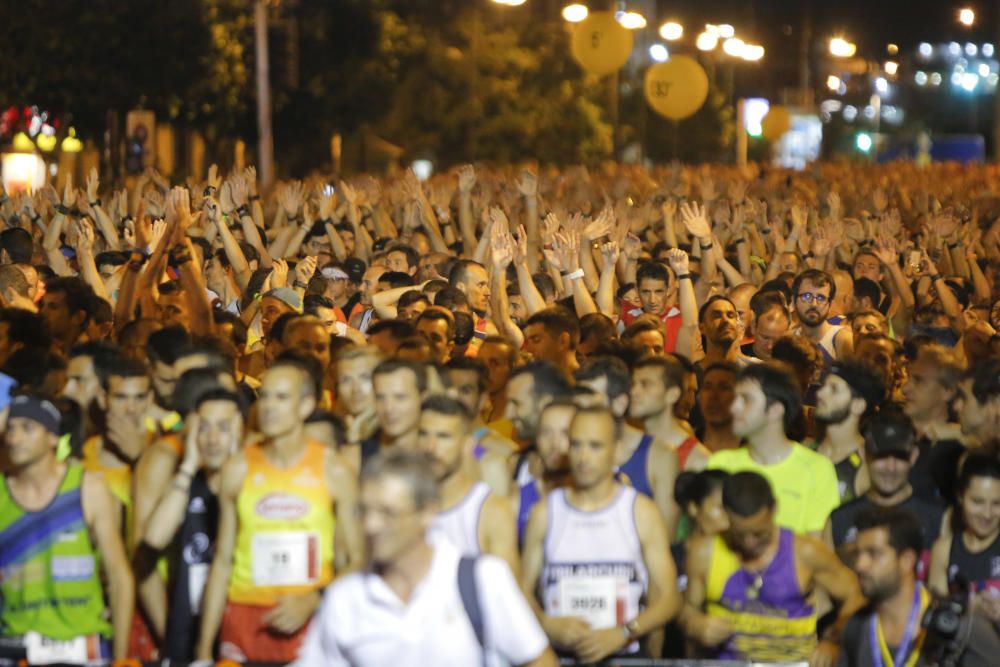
(608, 377)
(308, 335)
(472, 278)
(465, 378)
(287, 397)
(766, 395)
(594, 442)
(699, 494)
(127, 392)
(529, 389)
(399, 498)
(979, 400)
(890, 451)
(814, 291)
(552, 334)
(933, 381)
(653, 282)
(499, 356)
(657, 386)
(33, 428)
(354, 368)
(852, 390)
(749, 504)
(889, 543)
(399, 387)
(443, 432)
(438, 325)
(978, 491)
(717, 391)
(719, 322)
(220, 427)
(552, 442)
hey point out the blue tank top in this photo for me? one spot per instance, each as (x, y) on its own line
(634, 471)
(529, 498)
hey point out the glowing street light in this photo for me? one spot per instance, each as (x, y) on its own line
(833, 83)
(891, 67)
(753, 52)
(632, 20)
(707, 41)
(726, 31)
(733, 47)
(659, 53)
(671, 31)
(575, 13)
(841, 48)
(510, 3)
(966, 16)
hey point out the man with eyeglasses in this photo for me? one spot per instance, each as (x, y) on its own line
(813, 291)
(411, 604)
(890, 450)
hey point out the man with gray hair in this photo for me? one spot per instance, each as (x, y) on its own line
(418, 602)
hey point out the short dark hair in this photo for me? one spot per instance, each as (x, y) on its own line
(445, 405)
(412, 256)
(901, 525)
(396, 279)
(77, 292)
(416, 468)
(18, 244)
(694, 487)
(25, 327)
(124, 367)
(985, 378)
(102, 355)
(672, 371)
(166, 345)
(411, 297)
(219, 395)
(13, 277)
(597, 326)
(547, 378)
(312, 302)
(556, 321)
(451, 298)
(747, 493)
(778, 386)
(817, 277)
(191, 386)
(765, 300)
(436, 313)
(398, 329)
(418, 369)
(305, 364)
(712, 299)
(470, 364)
(866, 287)
(613, 369)
(239, 334)
(617, 425)
(652, 271)
(863, 380)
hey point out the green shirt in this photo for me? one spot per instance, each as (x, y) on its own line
(49, 569)
(804, 484)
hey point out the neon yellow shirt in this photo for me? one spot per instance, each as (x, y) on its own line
(804, 485)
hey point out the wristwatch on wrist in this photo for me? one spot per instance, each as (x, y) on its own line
(631, 630)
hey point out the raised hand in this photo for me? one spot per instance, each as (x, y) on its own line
(466, 178)
(678, 260)
(695, 221)
(601, 226)
(155, 204)
(291, 198)
(84, 237)
(349, 194)
(279, 273)
(520, 245)
(250, 176)
(501, 248)
(609, 255)
(528, 184)
(93, 183)
(305, 269)
(879, 200)
(214, 180)
(632, 247)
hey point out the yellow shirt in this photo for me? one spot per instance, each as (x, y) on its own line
(804, 484)
(284, 543)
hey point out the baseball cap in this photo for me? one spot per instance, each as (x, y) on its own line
(863, 380)
(333, 273)
(288, 296)
(36, 409)
(889, 433)
(355, 269)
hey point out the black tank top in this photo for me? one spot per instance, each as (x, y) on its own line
(847, 475)
(980, 570)
(195, 546)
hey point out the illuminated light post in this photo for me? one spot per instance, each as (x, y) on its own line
(966, 16)
(671, 31)
(841, 48)
(575, 13)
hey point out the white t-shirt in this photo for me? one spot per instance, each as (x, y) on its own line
(363, 623)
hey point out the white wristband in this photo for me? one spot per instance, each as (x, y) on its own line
(575, 275)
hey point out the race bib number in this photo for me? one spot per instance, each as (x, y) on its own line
(197, 576)
(47, 651)
(594, 599)
(285, 559)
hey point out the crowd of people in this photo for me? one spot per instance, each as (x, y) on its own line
(504, 416)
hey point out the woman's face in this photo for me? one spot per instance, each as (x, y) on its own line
(981, 506)
(710, 517)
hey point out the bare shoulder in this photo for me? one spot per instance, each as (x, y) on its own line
(497, 506)
(234, 472)
(339, 473)
(699, 553)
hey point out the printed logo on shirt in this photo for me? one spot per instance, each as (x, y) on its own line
(281, 507)
(196, 549)
(72, 568)
(197, 505)
(995, 567)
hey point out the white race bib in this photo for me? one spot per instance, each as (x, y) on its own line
(285, 559)
(197, 576)
(47, 651)
(594, 599)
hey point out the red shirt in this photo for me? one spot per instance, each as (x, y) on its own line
(671, 319)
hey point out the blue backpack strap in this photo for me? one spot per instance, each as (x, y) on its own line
(469, 591)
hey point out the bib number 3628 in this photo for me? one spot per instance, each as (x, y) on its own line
(285, 558)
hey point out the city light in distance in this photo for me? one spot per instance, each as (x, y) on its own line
(726, 31)
(892, 49)
(891, 67)
(575, 13)
(920, 78)
(671, 30)
(881, 85)
(707, 41)
(925, 50)
(659, 53)
(752, 52)
(632, 20)
(966, 16)
(841, 48)
(733, 47)
(833, 82)
(863, 141)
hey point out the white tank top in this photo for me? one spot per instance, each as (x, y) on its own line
(460, 524)
(828, 343)
(594, 567)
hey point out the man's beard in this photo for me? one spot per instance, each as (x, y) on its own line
(835, 417)
(812, 317)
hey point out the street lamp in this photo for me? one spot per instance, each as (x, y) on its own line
(752, 52)
(891, 67)
(707, 41)
(671, 31)
(966, 16)
(733, 47)
(575, 13)
(833, 82)
(632, 20)
(841, 48)
(510, 3)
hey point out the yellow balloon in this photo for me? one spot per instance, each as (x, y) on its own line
(600, 44)
(776, 123)
(677, 88)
